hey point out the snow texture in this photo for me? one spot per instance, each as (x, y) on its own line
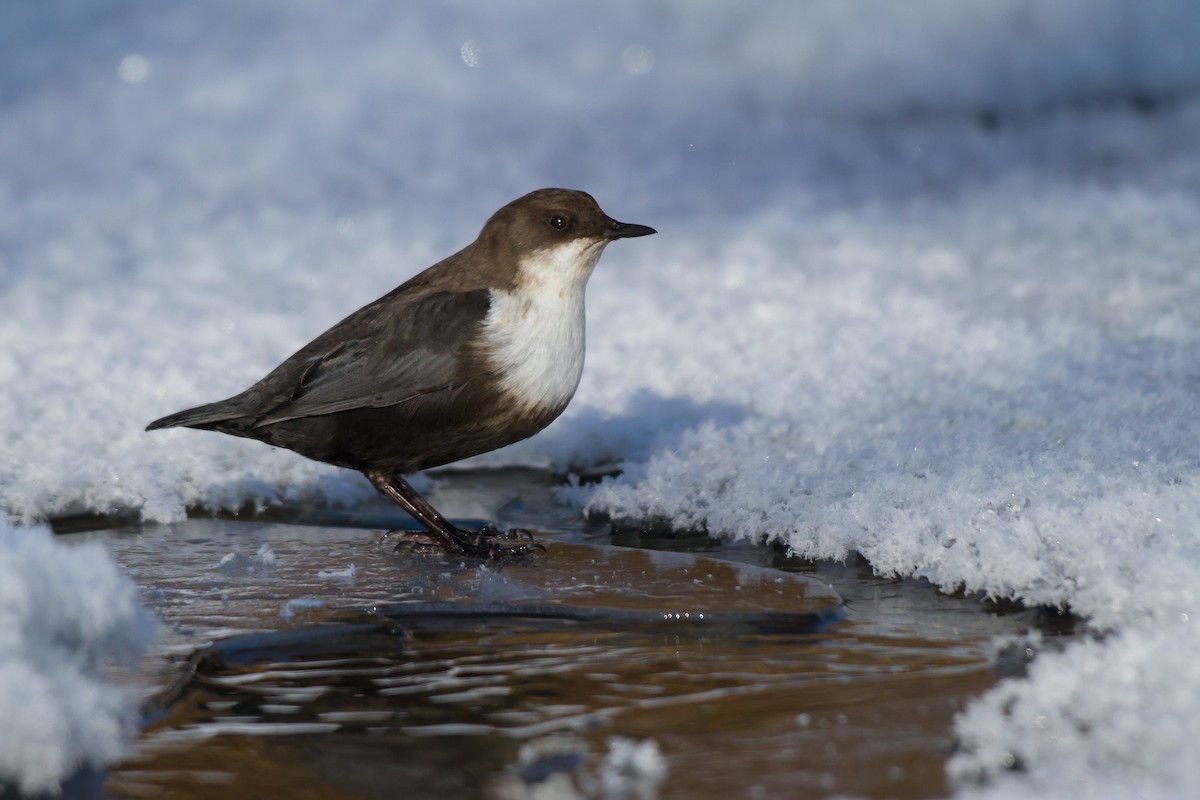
(1112, 719)
(632, 769)
(925, 285)
(63, 612)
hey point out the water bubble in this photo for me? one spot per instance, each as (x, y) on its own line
(133, 69)
(637, 59)
(470, 53)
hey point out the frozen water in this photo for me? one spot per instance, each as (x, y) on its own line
(924, 286)
(632, 769)
(297, 604)
(63, 612)
(344, 574)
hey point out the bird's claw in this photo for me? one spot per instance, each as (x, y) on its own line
(491, 542)
(488, 542)
(411, 541)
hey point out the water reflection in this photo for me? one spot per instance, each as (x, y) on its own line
(427, 676)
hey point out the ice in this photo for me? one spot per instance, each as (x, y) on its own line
(554, 766)
(238, 564)
(64, 611)
(299, 605)
(345, 574)
(632, 769)
(924, 286)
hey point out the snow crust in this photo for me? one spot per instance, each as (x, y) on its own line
(924, 286)
(64, 612)
(1110, 719)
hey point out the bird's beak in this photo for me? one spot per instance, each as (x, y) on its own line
(625, 230)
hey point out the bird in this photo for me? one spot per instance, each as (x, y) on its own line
(481, 350)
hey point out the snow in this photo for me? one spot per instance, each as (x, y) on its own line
(1116, 717)
(632, 769)
(64, 611)
(555, 767)
(924, 286)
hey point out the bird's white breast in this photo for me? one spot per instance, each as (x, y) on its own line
(535, 333)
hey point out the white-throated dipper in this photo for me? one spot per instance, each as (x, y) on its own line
(478, 351)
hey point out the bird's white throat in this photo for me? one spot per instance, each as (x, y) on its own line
(535, 333)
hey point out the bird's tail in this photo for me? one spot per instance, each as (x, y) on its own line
(210, 415)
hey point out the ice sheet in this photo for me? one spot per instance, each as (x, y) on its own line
(924, 286)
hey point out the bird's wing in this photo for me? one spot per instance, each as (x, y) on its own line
(381, 356)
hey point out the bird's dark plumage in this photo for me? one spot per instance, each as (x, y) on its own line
(437, 370)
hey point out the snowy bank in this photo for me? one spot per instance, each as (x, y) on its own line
(64, 612)
(1102, 720)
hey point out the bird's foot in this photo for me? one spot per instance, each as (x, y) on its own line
(410, 541)
(488, 542)
(491, 542)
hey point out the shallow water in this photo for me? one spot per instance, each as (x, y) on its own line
(302, 657)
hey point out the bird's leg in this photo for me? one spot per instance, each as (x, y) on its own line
(453, 538)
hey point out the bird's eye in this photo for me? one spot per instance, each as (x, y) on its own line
(559, 222)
